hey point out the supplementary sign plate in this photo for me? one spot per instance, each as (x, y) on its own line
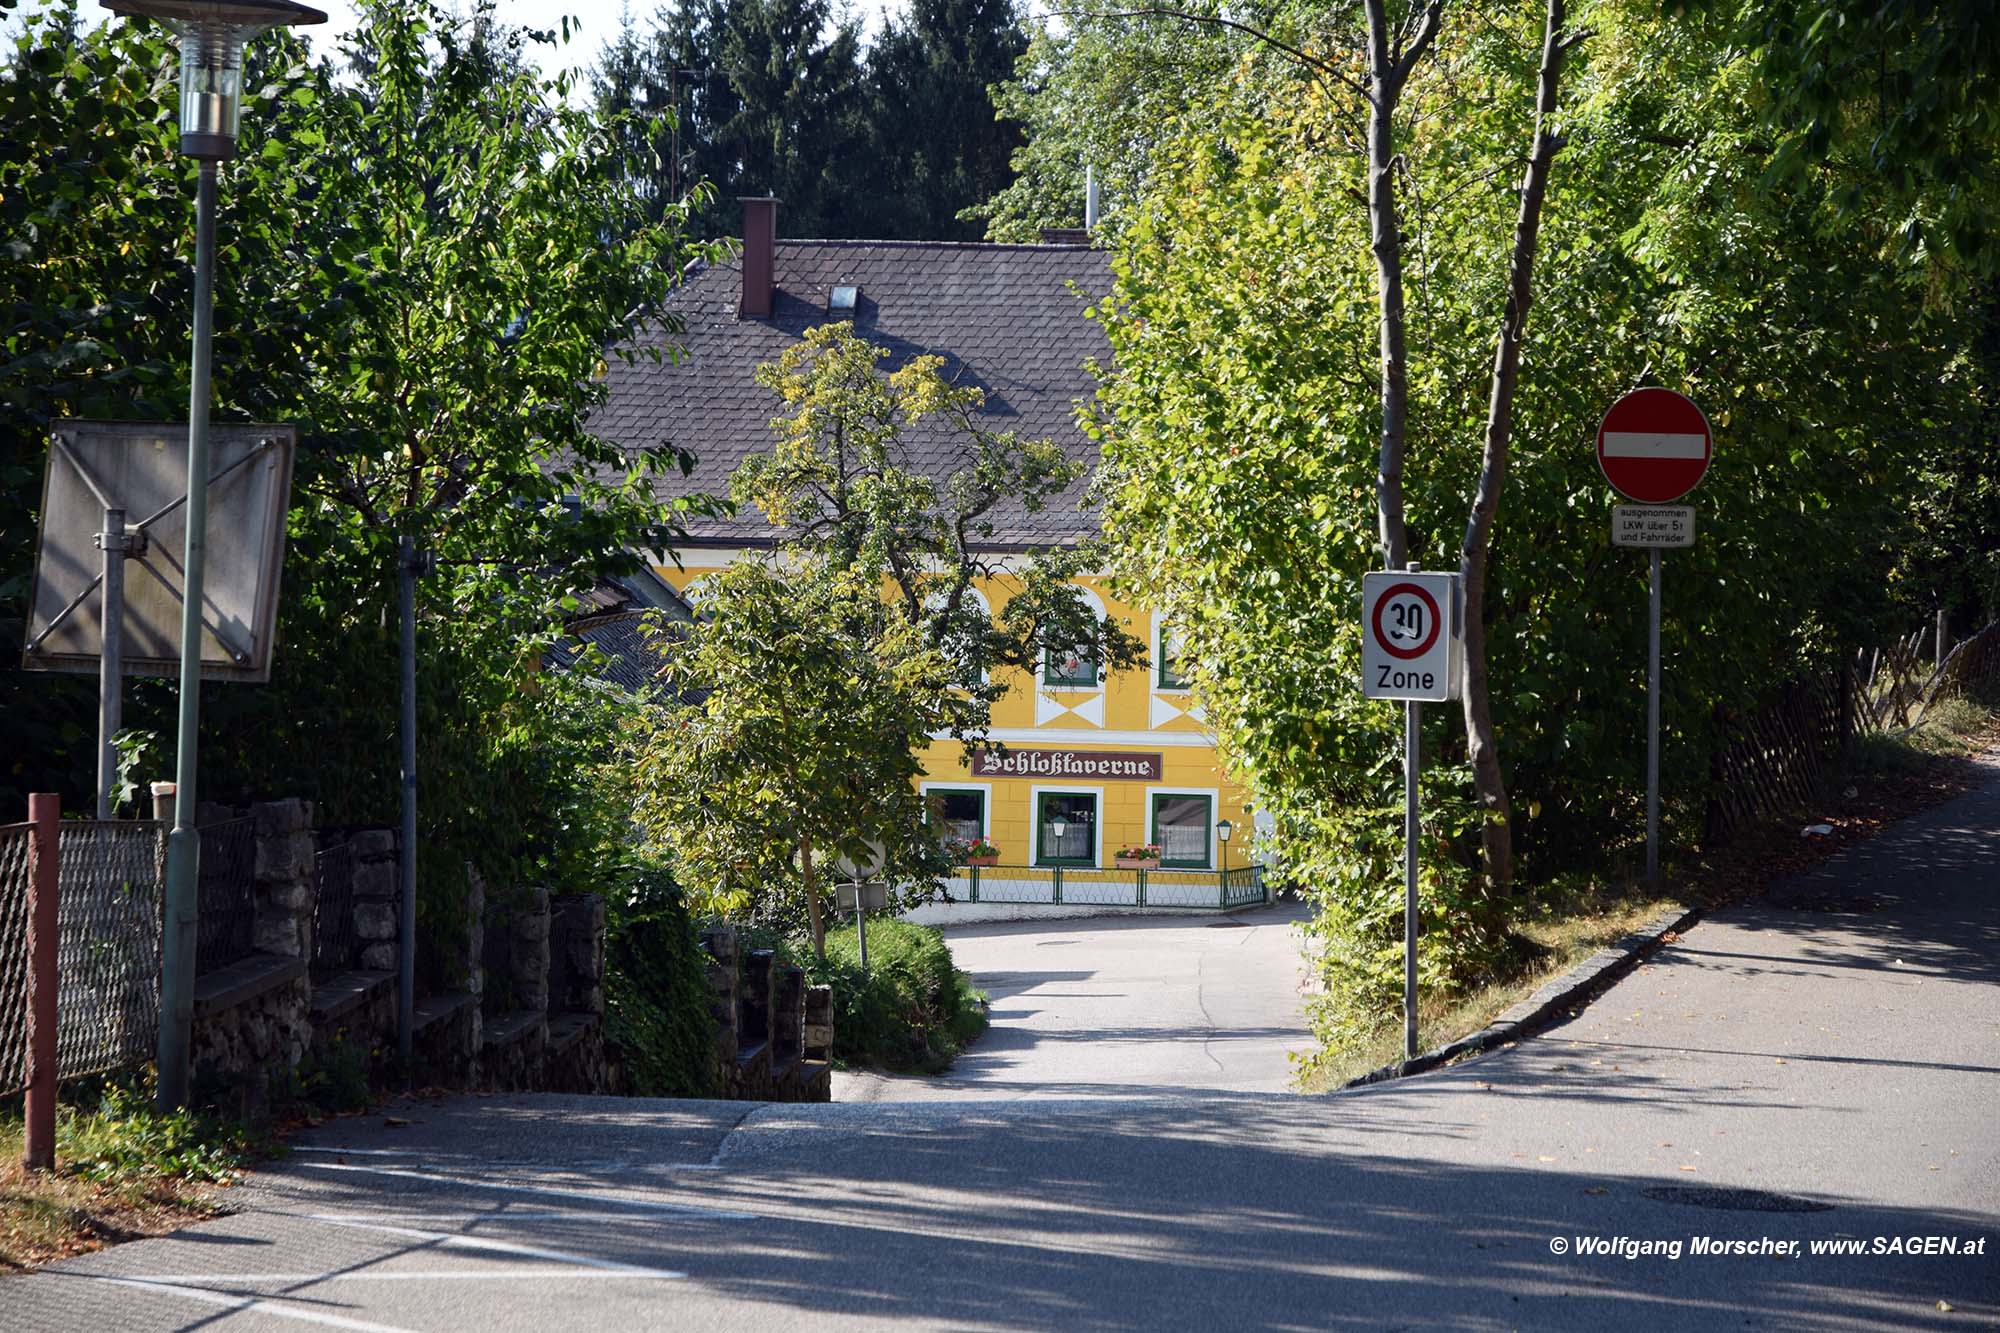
(1652, 525)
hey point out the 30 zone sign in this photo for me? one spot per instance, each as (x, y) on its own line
(1408, 636)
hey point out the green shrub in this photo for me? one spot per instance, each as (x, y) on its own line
(656, 1020)
(1465, 938)
(912, 1010)
(123, 1138)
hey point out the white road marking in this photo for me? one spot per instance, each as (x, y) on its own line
(536, 1191)
(510, 1215)
(400, 1275)
(426, 1154)
(454, 1240)
(247, 1304)
(1654, 444)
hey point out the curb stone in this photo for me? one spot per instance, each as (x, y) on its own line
(1579, 985)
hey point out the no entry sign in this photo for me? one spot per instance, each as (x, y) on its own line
(1409, 636)
(1654, 446)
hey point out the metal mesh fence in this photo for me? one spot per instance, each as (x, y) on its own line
(1108, 886)
(15, 843)
(228, 924)
(333, 908)
(108, 957)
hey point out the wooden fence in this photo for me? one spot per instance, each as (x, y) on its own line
(1779, 759)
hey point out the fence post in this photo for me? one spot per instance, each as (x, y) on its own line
(1057, 899)
(1141, 891)
(39, 1131)
(975, 882)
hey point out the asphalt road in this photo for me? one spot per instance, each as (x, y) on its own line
(1830, 1052)
(1124, 1006)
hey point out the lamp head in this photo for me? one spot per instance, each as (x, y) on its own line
(1059, 826)
(1225, 830)
(212, 35)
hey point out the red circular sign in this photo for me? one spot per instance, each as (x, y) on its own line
(1654, 446)
(1385, 640)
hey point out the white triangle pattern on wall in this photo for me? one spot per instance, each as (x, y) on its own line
(1163, 712)
(1048, 708)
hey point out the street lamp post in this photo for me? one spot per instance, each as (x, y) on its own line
(212, 34)
(1224, 832)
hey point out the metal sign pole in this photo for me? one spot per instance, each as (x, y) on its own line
(1413, 712)
(406, 966)
(861, 926)
(1653, 729)
(110, 666)
(183, 900)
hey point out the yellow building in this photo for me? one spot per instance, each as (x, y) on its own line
(1084, 767)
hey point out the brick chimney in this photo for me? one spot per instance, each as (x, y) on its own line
(760, 238)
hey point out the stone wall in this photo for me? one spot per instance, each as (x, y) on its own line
(576, 954)
(252, 1018)
(378, 888)
(256, 1019)
(285, 848)
(767, 1048)
(251, 1028)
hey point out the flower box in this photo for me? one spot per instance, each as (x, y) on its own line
(992, 860)
(1138, 862)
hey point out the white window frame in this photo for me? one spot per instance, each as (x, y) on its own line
(1214, 795)
(985, 805)
(1035, 794)
(1042, 658)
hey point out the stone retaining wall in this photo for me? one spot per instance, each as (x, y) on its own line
(766, 1046)
(256, 1019)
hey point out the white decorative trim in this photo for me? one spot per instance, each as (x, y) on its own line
(1091, 710)
(1161, 711)
(1048, 708)
(1095, 740)
(1035, 794)
(1214, 796)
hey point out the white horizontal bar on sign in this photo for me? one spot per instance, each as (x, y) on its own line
(1653, 444)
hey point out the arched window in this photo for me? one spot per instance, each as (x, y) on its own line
(1075, 668)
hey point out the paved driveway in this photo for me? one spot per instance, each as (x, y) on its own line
(1125, 1005)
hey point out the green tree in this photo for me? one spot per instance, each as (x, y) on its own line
(1243, 421)
(815, 680)
(425, 271)
(842, 488)
(933, 69)
(769, 99)
(805, 697)
(1102, 91)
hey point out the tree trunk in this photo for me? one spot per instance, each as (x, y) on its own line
(1385, 86)
(1496, 835)
(813, 912)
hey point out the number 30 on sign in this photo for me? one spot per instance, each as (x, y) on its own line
(1410, 636)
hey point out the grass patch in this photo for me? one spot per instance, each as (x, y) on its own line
(122, 1171)
(912, 1011)
(1569, 922)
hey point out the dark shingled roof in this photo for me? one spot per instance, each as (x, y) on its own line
(1007, 318)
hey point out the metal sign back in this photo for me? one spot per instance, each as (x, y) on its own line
(141, 468)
